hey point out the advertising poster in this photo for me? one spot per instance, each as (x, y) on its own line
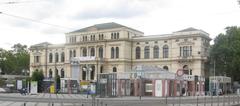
(34, 87)
(93, 89)
(52, 89)
(19, 84)
(158, 88)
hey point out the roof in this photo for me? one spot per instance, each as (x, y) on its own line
(103, 26)
(188, 29)
(41, 44)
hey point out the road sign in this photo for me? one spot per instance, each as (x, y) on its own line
(180, 72)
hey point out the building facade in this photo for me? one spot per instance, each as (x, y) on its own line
(111, 47)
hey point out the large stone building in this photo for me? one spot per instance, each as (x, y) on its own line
(111, 47)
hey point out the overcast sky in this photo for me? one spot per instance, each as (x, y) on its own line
(149, 16)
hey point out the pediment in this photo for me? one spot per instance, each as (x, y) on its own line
(36, 53)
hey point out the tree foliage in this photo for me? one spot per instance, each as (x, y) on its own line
(38, 76)
(226, 53)
(15, 60)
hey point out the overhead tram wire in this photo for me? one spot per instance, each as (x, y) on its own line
(19, 2)
(36, 21)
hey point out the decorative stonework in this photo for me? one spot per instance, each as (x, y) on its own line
(186, 43)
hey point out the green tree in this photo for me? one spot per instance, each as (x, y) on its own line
(15, 60)
(226, 53)
(57, 80)
(38, 76)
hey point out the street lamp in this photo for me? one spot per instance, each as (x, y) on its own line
(87, 70)
(25, 72)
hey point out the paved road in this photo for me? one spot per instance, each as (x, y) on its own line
(82, 100)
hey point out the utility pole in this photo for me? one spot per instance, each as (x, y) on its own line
(214, 76)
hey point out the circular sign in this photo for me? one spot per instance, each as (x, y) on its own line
(179, 72)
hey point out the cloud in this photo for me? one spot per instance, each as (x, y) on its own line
(115, 9)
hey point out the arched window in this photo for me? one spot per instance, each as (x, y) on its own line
(138, 52)
(111, 35)
(62, 57)
(74, 53)
(92, 52)
(117, 35)
(62, 73)
(50, 57)
(186, 70)
(114, 69)
(84, 52)
(70, 54)
(146, 52)
(56, 72)
(155, 52)
(93, 73)
(56, 57)
(112, 52)
(100, 50)
(117, 52)
(165, 51)
(50, 73)
(165, 68)
(93, 37)
(101, 69)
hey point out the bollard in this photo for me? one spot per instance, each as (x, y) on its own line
(197, 100)
(223, 100)
(97, 102)
(211, 100)
(228, 100)
(179, 101)
(101, 103)
(52, 104)
(82, 104)
(105, 104)
(173, 100)
(204, 101)
(238, 99)
(24, 104)
(166, 100)
(233, 99)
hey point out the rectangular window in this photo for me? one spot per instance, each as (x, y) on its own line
(148, 88)
(186, 51)
(36, 59)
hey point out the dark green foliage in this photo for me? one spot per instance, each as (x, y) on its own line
(14, 61)
(226, 53)
(38, 76)
(57, 80)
